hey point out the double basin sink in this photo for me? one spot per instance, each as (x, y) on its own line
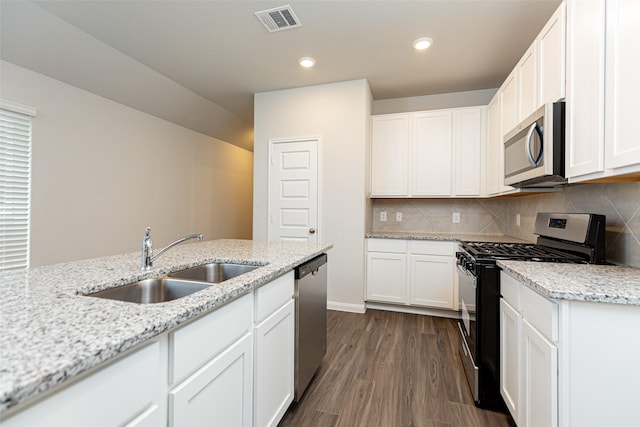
(175, 285)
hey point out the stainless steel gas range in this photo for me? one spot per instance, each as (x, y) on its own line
(571, 238)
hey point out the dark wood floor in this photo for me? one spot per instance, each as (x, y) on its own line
(390, 369)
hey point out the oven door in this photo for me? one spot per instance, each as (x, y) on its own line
(467, 284)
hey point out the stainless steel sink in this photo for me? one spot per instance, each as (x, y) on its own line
(150, 291)
(214, 272)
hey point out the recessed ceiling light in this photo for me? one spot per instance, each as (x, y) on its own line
(422, 43)
(306, 62)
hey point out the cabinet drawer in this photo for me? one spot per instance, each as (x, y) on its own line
(196, 343)
(540, 312)
(387, 245)
(510, 290)
(430, 247)
(273, 295)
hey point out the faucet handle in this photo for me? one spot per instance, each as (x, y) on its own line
(147, 233)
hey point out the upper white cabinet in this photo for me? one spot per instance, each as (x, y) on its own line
(428, 154)
(539, 76)
(585, 88)
(551, 54)
(431, 167)
(390, 155)
(622, 87)
(527, 80)
(603, 95)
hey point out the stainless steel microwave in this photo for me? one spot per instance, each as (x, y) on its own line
(534, 150)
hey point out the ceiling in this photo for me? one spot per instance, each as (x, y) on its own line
(219, 54)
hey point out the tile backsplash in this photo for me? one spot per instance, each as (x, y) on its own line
(620, 202)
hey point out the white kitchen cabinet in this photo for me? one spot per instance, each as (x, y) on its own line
(510, 356)
(603, 93)
(430, 281)
(469, 139)
(540, 379)
(551, 54)
(527, 79)
(493, 161)
(431, 143)
(622, 96)
(219, 393)
(414, 273)
(529, 325)
(274, 351)
(440, 156)
(126, 392)
(390, 139)
(387, 271)
(585, 88)
(509, 103)
(212, 365)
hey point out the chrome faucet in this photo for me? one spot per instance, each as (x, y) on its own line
(147, 248)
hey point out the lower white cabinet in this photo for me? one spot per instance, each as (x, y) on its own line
(216, 351)
(274, 336)
(539, 379)
(219, 393)
(565, 362)
(416, 273)
(528, 354)
(126, 392)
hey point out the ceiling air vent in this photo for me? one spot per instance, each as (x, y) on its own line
(278, 18)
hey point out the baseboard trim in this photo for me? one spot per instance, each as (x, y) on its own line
(414, 310)
(342, 306)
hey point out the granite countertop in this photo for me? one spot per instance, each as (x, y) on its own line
(451, 237)
(580, 282)
(51, 332)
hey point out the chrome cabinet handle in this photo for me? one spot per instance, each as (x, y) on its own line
(312, 231)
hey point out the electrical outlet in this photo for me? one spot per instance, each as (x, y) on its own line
(456, 218)
(399, 216)
(383, 216)
(518, 220)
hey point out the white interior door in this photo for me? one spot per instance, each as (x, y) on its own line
(293, 191)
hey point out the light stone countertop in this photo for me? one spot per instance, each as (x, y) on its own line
(581, 282)
(50, 331)
(449, 237)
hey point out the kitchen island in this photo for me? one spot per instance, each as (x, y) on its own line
(52, 332)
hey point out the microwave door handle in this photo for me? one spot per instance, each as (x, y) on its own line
(527, 146)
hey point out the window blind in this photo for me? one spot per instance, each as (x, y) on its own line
(15, 188)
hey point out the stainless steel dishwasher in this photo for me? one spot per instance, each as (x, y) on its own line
(311, 320)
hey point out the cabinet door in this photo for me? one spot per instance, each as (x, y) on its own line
(540, 380)
(527, 70)
(510, 355)
(274, 353)
(585, 87)
(432, 281)
(493, 159)
(387, 277)
(469, 131)
(431, 153)
(622, 98)
(552, 58)
(509, 103)
(390, 155)
(218, 394)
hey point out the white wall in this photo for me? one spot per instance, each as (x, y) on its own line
(339, 114)
(434, 102)
(103, 171)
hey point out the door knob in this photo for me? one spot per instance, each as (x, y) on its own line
(312, 230)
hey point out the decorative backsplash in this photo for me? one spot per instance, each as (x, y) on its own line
(620, 202)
